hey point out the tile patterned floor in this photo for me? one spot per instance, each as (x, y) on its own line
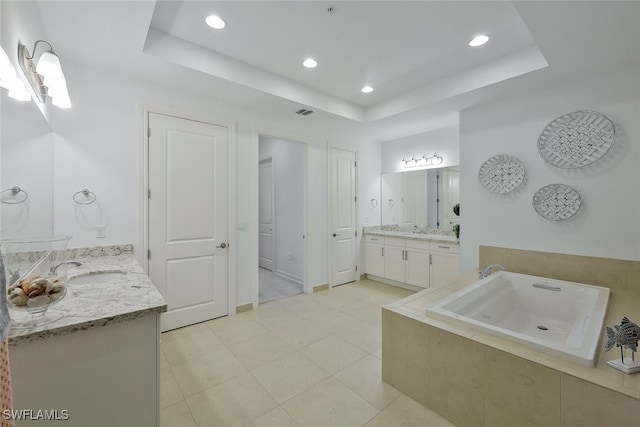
(272, 287)
(305, 361)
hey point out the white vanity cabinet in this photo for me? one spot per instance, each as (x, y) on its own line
(399, 261)
(443, 258)
(394, 259)
(374, 255)
(417, 263)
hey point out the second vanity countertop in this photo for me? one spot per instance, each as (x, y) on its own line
(86, 306)
(426, 235)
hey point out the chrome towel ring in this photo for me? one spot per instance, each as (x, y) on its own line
(90, 196)
(14, 192)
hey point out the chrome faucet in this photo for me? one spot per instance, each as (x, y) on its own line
(55, 267)
(487, 270)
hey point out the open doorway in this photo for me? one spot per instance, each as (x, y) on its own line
(282, 218)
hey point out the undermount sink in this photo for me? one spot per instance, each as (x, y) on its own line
(97, 277)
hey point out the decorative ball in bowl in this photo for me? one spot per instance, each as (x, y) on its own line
(36, 294)
(37, 273)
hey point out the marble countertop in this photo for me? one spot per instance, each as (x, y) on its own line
(423, 234)
(621, 302)
(86, 306)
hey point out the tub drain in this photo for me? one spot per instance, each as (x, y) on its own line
(543, 328)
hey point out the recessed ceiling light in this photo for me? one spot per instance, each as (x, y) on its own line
(310, 63)
(367, 89)
(214, 21)
(478, 40)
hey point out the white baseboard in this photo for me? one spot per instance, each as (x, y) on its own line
(395, 283)
(288, 276)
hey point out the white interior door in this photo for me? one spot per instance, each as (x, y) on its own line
(265, 239)
(188, 218)
(343, 215)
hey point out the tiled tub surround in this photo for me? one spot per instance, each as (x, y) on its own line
(558, 317)
(473, 378)
(100, 362)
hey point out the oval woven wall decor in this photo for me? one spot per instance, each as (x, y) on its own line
(557, 202)
(576, 139)
(501, 174)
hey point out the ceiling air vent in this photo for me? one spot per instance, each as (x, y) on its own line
(304, 112)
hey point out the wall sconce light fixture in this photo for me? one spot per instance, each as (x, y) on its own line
(422, 162)
(9, 79)
(46, 77)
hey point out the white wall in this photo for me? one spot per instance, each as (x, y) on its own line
(368, 170)
(97, 146)
(26, 142)
(25, 159)
(445, 142)
(391, 203)
(607, 225)
(289, 169)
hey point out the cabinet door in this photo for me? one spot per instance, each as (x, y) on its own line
(394, 263)
(374, 259)
(444, 268)
(417, 267)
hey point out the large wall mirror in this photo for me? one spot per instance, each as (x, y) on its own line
(26, 161)
(424, 198)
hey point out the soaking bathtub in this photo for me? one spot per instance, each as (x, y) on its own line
(561, 318)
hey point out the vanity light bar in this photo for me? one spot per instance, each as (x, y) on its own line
(422, 162)
(45, 77)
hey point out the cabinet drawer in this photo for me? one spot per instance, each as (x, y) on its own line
(368, 238)
(394, 241)
(445, 247)
(417, 244)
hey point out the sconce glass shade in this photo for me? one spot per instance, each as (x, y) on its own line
(62, 101)
(59, 97)
(9, 82)
(7, 73)
(49, 66)
(57, 91)
(54, 82)
(17, 89)
(6, 67)
(20, 93)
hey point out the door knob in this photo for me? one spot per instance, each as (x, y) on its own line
(335, 234)
(222, 245)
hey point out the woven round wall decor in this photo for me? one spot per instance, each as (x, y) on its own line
(576, 139)
(501, 174)
(557, 202)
